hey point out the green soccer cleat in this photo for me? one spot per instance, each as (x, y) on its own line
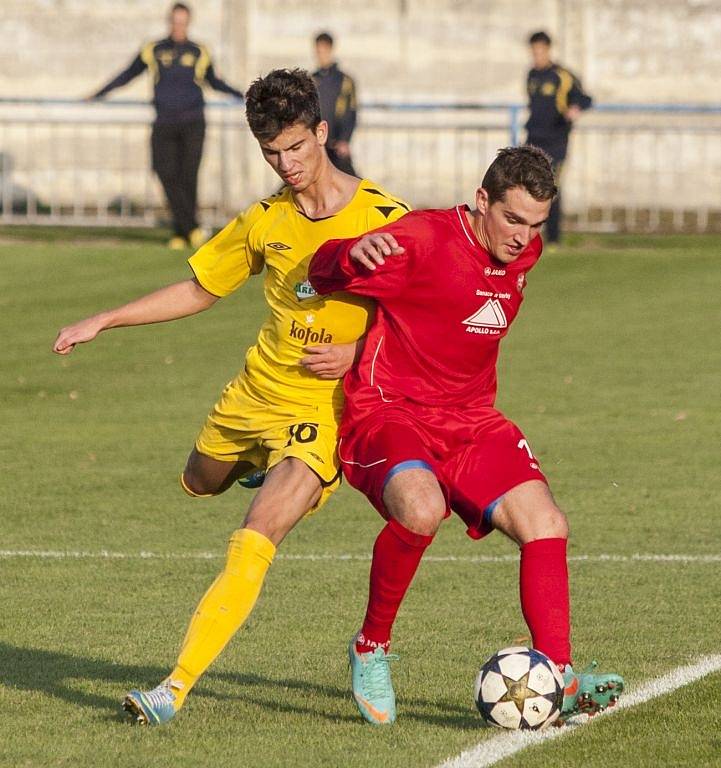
(372, 686)
(151, 707)
(588, 694)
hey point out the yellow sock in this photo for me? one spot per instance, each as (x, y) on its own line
(223, 609)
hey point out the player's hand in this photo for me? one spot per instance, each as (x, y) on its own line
(572, 113)
(329, 361)
(371, 250)
(342, 148)
(78, 333)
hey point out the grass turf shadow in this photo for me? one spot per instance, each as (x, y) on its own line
(53, 672)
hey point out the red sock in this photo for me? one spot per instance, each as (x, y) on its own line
(544, 597)
(396, 556)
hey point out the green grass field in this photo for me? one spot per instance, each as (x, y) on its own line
(613, 370)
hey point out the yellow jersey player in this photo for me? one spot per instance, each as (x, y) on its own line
(281, 412)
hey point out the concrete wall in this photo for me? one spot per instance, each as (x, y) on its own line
(626, 50)
(645, 51)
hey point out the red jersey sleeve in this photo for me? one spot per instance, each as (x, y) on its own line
(332, 269)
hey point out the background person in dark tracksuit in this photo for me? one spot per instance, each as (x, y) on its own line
(337, 103)
(555, 99)
(179, 68)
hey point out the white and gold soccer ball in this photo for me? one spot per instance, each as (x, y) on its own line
(520, 689)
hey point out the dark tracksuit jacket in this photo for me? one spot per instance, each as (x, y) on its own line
(338, 107)
(550, 92)
(179, 71)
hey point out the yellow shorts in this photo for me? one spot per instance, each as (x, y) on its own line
(245, 427)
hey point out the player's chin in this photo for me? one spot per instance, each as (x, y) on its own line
(510, 254)
(296, 181)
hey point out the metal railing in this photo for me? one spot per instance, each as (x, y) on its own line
(631, 167)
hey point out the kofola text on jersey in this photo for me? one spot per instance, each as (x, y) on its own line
(306, 334)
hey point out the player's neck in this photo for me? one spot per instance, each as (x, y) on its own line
(475, 219)
(328, 194)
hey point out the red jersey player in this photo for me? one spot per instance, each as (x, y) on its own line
(420, 435)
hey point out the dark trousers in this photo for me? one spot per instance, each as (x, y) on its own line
(557, 153)
(344, 164)
(553, 225)
(177, 151)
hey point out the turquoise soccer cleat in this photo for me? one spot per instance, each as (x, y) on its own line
(587, 693)
(254, 480)
(372, 686)
(151, 707)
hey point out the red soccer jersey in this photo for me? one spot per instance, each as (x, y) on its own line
(443, 307)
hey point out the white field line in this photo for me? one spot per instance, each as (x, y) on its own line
(104, 554)
(508, 743)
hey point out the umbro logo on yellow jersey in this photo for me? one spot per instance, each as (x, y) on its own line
(279, 246)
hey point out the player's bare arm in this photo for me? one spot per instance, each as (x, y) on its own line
(572, 113)
(371, 250)
(332, 361)
(170, 303)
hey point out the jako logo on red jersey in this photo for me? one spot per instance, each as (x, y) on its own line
(490, 271)
(306, 335)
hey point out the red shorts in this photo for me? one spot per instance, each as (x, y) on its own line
(476, 458)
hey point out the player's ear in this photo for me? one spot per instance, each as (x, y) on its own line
(482, 200)
(321, 133)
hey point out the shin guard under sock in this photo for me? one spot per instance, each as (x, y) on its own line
(396, 556)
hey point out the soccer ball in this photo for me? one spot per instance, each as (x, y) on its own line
(519, 688)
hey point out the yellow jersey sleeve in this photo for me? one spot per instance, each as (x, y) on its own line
(385, 209)
(400, 208)
(232, 256)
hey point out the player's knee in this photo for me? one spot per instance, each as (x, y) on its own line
(415, 499)
(557, 523)
(423, 513)
(194, 486)
(549, 523)
(525, 523)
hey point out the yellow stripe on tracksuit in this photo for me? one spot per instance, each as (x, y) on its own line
(564, 88)
(147, 54)
(346, 98)
(201, 65)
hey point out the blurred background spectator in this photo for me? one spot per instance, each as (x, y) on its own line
(555, 99)
(436, 105)
(337, 103)
(179, 68)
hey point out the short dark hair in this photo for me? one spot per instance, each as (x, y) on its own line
(180, 7)
(324, 37)
(280, 99)
(528, 167)
(539, 37)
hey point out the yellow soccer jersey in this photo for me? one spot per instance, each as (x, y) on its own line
(274, 233)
